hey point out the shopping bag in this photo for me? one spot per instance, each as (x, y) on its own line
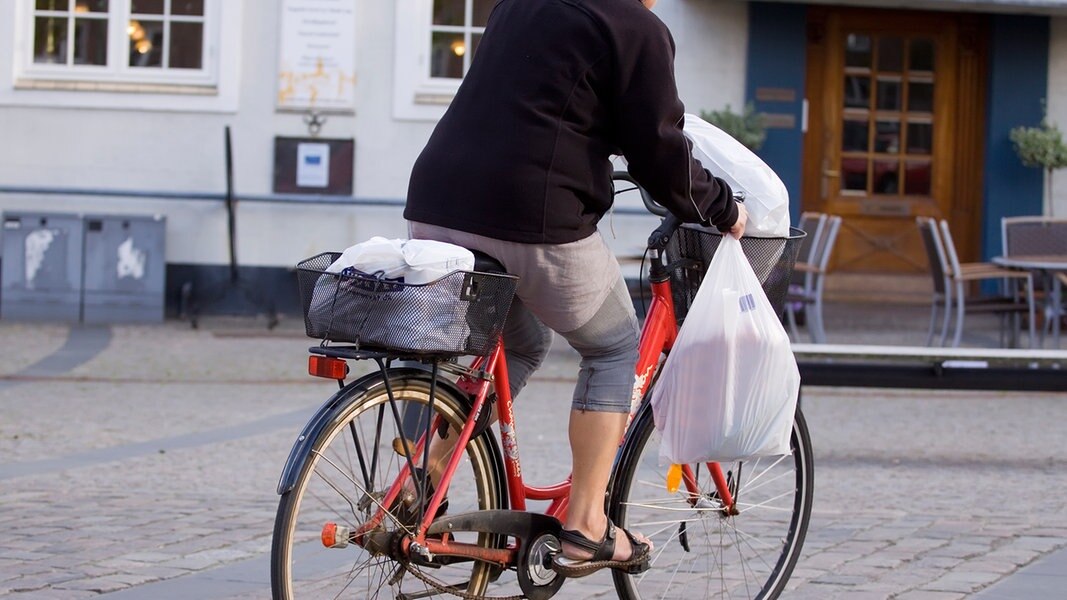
(729, 387)
(766, 197)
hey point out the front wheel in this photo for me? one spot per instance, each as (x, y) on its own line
(352, 463)
(700, 550)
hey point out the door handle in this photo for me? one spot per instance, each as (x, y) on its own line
(826, 175)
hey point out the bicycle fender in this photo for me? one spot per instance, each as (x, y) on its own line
(331, 410)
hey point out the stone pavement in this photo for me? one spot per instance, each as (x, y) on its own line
(140, 462)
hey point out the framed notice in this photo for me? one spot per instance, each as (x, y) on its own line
(317, 61)
(313, 166)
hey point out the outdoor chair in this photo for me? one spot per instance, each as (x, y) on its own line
(812, 224)
(952, 281)
(1033, 236)
(810, 274)
(1037, 236)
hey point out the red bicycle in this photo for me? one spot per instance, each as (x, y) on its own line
(357, 517)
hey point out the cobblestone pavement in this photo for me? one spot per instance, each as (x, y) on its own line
(149, 470)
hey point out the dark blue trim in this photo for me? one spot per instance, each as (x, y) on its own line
(1018, 81)
(777, 47)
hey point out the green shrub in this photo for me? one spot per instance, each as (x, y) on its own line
(1041, 147)
(746, 127)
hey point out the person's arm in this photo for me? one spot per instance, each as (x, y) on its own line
(648, 119)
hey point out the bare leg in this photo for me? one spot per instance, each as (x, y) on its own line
(594, 439)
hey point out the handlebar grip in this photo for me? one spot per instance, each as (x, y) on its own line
(652, 206)
(662, 235)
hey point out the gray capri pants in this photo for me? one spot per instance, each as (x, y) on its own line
(575, 289)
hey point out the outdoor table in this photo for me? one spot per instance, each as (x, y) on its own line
(1048, 266)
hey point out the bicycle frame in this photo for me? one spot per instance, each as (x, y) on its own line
(658, 335)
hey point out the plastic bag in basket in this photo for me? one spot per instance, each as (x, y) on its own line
(728, 389)
(356, 307)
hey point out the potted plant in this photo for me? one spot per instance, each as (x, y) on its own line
(1041, 146)
(746, 127)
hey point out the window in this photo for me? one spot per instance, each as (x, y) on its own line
(435, 42)
(888, 115)
(122, 41)
(456, 27)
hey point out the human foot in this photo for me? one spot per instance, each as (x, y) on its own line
(581, 556)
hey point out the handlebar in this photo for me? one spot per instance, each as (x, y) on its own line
(652, 206)
(670, 223)
(659, 238)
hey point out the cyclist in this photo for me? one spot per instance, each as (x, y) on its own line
(519, 168)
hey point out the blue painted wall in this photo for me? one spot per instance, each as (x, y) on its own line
(1018, 81)
(777, 45)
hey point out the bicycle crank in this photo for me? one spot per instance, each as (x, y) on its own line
(537, 579)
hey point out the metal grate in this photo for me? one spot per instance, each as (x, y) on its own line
(460, 313)
(692, 247)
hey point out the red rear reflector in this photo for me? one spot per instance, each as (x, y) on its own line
(334, 535)
(328, 367)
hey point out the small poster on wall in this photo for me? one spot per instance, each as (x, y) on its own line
(317, 62)
(312, 165)
(319, 166)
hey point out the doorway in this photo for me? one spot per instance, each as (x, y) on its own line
(896, 103)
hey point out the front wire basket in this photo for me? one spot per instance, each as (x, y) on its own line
(690, 251)
(460, 313)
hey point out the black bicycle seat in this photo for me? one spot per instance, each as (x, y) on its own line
(483, 263)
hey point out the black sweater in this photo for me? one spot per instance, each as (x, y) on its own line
(556, 87)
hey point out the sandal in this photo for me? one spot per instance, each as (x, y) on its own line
(602, 554)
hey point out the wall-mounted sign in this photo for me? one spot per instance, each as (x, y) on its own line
(317, 62)
(779, 121)
(313, 166)
(766, 94)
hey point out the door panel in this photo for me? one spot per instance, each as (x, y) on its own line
(881, 148)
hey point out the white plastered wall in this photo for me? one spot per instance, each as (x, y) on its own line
(180, 148)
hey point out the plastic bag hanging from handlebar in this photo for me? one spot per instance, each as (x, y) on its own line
(729, 387)
(766, 197)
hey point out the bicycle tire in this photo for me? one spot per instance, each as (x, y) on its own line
(332, 484)
(713, 555)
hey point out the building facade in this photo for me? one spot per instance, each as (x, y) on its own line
(878, 114)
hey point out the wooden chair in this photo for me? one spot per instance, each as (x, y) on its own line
(1008, 303)
(811, 271)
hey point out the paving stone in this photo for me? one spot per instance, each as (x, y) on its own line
(929, 595)
(183, 514)
(962, 581)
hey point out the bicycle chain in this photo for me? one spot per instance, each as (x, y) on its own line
(445, 589)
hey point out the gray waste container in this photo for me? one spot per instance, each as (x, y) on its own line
(124, 269)
(42, 267)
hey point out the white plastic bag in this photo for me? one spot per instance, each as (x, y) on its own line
(766, 198)
(376, 255)
(429, 260)
(729, 388)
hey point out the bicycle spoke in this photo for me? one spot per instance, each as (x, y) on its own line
(335, 489)
(744, 555)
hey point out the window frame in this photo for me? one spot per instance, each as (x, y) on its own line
(118, 71)
(416, 95)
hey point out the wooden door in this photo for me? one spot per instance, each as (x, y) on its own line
(895, 105)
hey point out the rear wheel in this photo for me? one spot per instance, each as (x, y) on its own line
(700, 551)
(352, 464)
